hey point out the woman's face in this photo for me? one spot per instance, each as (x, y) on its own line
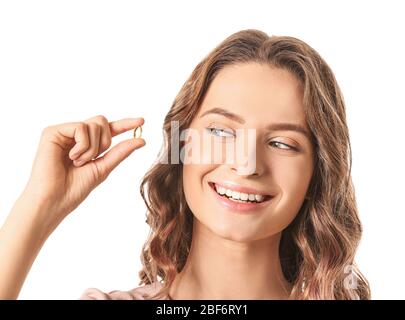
(242, 97)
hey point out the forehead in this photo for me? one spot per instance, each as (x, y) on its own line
(256, 90)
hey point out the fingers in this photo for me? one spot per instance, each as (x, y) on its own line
(105, 137)
(94, 132)
(99, 133)
(114, 157)
(123, 125)
(77, 131)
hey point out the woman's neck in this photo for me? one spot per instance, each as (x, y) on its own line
(218, 268)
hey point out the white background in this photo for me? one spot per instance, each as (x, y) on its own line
(63, 61)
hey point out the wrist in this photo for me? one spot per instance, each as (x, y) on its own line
(36, 214)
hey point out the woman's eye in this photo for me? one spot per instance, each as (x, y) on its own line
(220, 132)
(278, 143)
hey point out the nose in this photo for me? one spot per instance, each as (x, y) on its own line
(253, 168)
(249, 163)
(244, 172)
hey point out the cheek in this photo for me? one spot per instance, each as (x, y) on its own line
(189, 181)
(214, 150)
(199, 160)
(193, 179)
(292, 176)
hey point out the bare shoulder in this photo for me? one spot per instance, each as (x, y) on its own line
(138, 293)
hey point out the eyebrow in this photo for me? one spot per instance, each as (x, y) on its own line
(280, 126)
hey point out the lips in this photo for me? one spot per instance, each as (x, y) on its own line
(239, 188)
(240, 207)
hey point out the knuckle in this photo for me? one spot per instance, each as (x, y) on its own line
(93, 125)
(47, 131)
(82, 125)
(102, 118)
(82, 128)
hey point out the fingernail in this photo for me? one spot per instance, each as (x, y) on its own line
(75, 155)
(79, 163)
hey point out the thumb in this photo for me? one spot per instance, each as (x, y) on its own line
(119, 152)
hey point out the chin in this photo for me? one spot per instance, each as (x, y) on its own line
(234, 232)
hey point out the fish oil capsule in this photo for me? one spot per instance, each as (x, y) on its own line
(138, 132)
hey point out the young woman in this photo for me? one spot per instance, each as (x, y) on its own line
(288, 229)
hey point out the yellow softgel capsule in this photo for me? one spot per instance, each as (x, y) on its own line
(138, 132)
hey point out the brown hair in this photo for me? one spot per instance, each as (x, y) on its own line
(317, 249)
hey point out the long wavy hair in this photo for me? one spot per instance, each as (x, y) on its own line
(317, 249)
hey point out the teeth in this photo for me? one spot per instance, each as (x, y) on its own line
(221, 190)
(244, 196)
(259, 197)
(235, 195)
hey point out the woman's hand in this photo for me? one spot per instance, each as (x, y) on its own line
(66, 168)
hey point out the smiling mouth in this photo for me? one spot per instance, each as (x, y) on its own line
(247, 198)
